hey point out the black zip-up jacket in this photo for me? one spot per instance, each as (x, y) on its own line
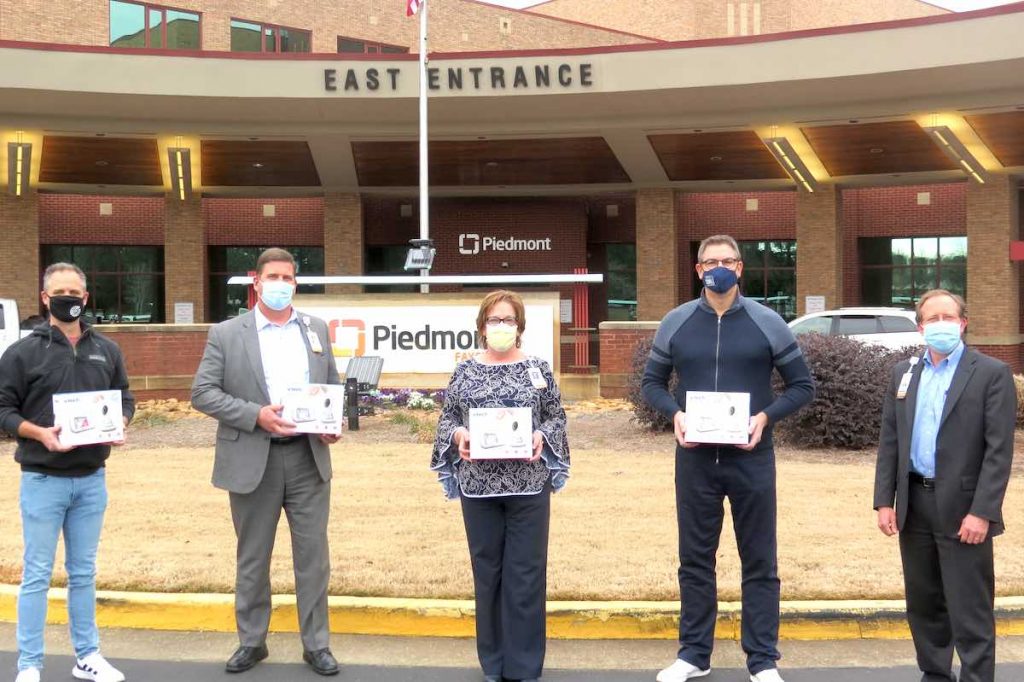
(44, 363)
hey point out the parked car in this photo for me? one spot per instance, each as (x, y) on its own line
(10, 329)
(889, 327)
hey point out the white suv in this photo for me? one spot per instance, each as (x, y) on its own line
(889, 327)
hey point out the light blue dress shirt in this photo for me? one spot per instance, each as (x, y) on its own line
(283, 352)
(931, 398)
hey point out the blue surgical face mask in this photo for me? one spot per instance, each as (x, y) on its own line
(277, 295)
(720, 279)
(942, 337)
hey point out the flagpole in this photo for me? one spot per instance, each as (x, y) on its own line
(424, 168)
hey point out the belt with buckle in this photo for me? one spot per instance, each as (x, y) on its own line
(923, 481)
(287, 440)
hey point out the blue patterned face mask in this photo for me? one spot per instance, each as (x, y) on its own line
(942, 337)
(277, 295)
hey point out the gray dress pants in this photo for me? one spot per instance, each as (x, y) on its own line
(291, 482)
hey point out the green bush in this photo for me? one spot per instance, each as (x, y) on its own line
(1018, 382)
(850, 380)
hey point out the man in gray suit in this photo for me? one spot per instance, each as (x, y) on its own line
(248, 363)
(943, 465)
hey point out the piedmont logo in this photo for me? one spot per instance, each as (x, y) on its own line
(470, 244)
(348, 338)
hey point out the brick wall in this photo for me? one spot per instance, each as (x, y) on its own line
(705, 214)
(19, 251)
(76, 219)
(240, 222)
(456, 25)
(161, 361)
(605, 229)
(819, 258)
(894, 212)
(657, 256)
(618, 345)
(343, 239)
(185, 257)
(992, 278)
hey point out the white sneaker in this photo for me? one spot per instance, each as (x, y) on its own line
(95, 667)
(769, 675)
(28, 675)
(680, 671)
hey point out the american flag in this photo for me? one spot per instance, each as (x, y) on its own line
(413, 6)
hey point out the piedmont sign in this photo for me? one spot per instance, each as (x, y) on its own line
(560, 76)
(422, 339)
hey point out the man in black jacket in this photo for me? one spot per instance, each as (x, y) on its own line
(62, 487)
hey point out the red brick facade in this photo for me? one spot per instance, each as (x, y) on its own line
(78, 219)
(160, 363)
(241, 222)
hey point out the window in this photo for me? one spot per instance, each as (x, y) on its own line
(814, 325)
(231, 300)
(135, 24)
(621, 282)
(126, 283)
(250, 36)
(897, 271)
(769, 274)
(892, 324)
(360, 46)
(850, 325)
(389, 260)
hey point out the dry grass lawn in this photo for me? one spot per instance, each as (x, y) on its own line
(392, 534)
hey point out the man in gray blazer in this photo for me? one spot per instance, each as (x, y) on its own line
(943, 466)
(265, 466)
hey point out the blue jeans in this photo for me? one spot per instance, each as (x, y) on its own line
(49, 505)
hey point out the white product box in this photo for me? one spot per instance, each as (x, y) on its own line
(501, 433)
(315, 408)
(713, 417)
(88, 418)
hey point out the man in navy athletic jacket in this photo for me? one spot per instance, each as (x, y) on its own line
(724, 342)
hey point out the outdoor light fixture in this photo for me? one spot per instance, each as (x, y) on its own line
(784, 153)
(19, 167)
(180, 160)
(421, 254)
(951, 145)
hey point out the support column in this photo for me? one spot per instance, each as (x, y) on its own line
(657, 253)
(819, 250)
(19, 251)
(184, 256)
(343, 239)
(993, 280)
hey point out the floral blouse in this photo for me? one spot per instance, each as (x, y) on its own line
(475, 384)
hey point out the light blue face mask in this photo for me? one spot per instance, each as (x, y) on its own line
(942, 337)
(277, 295)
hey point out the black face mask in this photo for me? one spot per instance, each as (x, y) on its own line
(67, 308)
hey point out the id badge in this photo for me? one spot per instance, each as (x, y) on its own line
(537, 379)
(901, 390)
(314, 342)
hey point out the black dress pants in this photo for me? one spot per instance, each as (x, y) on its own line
(508, 546)
(704, 478)
(950, 590)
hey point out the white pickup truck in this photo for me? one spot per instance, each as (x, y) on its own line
(10, 329)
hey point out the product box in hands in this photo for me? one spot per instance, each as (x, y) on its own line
(315, 408)
(501, 433)
(88, 418)
(717, 418)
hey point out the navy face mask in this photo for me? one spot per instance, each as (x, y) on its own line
(720, 279)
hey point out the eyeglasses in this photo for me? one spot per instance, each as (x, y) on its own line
(507, 321)
(709, 263)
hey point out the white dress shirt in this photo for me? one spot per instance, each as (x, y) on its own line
(283, 351)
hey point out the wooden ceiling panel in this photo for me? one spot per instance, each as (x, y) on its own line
(730, 155)
(876, 148)
(100, 161)
(457, 163)
(259, 163)
(1003, 133)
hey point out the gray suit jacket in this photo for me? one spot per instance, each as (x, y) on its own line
(230, 387)
(974, 446)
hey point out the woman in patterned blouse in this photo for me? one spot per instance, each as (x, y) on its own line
(505, 502)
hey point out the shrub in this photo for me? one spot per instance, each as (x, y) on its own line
(1018, 382)
(644, 414)
(850, 379)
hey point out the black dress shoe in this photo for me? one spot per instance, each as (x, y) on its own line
(246, 657)
(322, 661)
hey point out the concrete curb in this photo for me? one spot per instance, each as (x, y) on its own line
(801, 620)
